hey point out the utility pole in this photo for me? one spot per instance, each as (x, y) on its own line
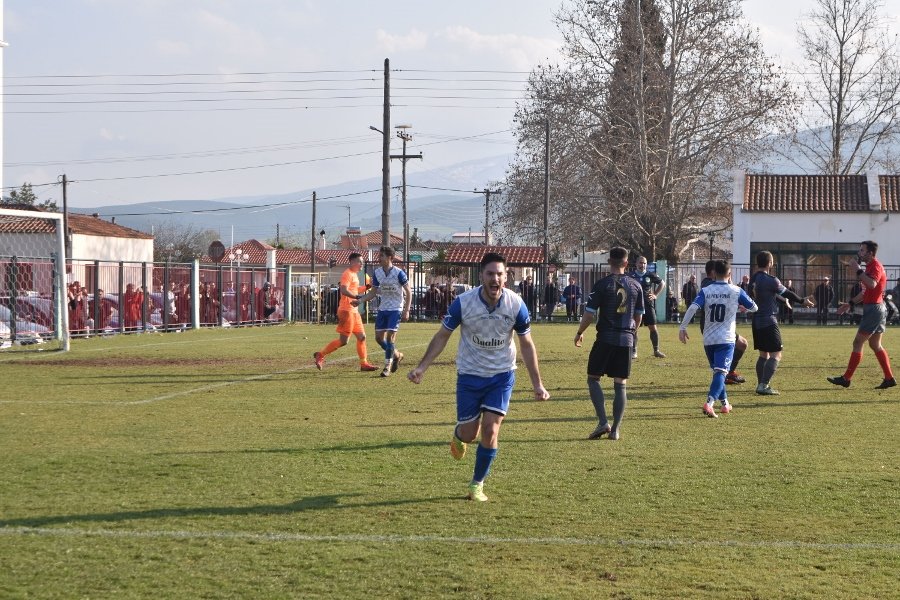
(277, 234)
(403, 158)
(487, 201)
(546, 190)
(65, 182)
(385, 159)
(312, 245)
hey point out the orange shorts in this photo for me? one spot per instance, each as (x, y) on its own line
(349, 322)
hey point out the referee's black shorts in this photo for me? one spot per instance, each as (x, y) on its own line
(609, 360)
(767, 339)
(649, 317)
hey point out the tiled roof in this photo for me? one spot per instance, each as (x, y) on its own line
(25, 225)
(90, 225)
(806, 193)
(374, 238)
(890, 192)
(514, 255)
(78, 224)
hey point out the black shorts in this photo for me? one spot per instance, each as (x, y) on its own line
(612, 361)
(649, 317)
(767, 339)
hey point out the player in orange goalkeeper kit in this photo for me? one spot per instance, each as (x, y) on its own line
(349, 319)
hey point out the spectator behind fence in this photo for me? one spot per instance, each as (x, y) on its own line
(785, 308)
(133, 301)
(572, 297)
(243, 304)
(265, 302)
(171, 310)
(526, 290)
(550, 296)
(183, 304)
(824, 297)
(433, 299)
(689, 291)
(101, 312)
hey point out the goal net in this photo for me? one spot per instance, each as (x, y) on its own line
(33, 301)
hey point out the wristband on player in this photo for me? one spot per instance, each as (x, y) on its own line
(859, 272)
(851, 303)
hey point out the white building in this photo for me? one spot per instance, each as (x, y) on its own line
(813, 224)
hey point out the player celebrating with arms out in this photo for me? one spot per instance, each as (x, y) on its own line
(721, 301)
(485, 362)
(873, 279)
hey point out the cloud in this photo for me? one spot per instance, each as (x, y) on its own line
(516, 51)
(391, 44)
(109, 136)
(230, 36)
(173, 48)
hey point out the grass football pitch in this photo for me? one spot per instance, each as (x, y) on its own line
(222, 464)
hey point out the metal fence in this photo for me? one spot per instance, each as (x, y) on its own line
(121, 297)
(803, 279)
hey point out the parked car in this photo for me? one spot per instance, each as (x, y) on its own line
(26, 331)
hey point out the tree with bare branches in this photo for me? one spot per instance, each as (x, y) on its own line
(658, 101)
(180, 242)
(851, 87)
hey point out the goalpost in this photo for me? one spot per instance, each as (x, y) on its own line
(33, 300)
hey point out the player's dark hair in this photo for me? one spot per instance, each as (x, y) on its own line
(709, 266)
(870, 246)
(721, 267)
(764, 259)
(617, 256)
(387, 251)
(353, 256)
(492, 257)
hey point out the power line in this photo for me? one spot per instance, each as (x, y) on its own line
(235, 208)
(225, 170)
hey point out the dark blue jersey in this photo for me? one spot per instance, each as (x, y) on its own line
(615, 301)
(649, 281)
(764, 288)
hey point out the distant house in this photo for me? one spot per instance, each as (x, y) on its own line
(90, 240)
(813, 224)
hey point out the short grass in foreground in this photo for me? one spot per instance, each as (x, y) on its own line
(222, 464)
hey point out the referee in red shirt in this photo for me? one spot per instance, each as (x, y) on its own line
(873, 279)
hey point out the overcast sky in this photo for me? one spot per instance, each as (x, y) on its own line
(271, 96)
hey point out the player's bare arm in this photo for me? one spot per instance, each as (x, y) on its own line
(529, 357)
(407, 302)
(435, 347)
(587, 319)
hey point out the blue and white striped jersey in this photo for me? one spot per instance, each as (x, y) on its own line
(485, 346)
(720, 301)
(390, 287)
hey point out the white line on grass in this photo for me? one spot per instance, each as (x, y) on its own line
(436, 539)
(181, 393)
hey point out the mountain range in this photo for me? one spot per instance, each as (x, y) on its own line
(440, 202)
(438, 205)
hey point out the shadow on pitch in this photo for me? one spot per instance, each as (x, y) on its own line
(398, 445)
(311, 503)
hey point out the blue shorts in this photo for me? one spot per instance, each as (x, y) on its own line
(475, 394)
(387, 320)
(720, 356)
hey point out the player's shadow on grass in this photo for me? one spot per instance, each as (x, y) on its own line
(310, 503)
(397, 445)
